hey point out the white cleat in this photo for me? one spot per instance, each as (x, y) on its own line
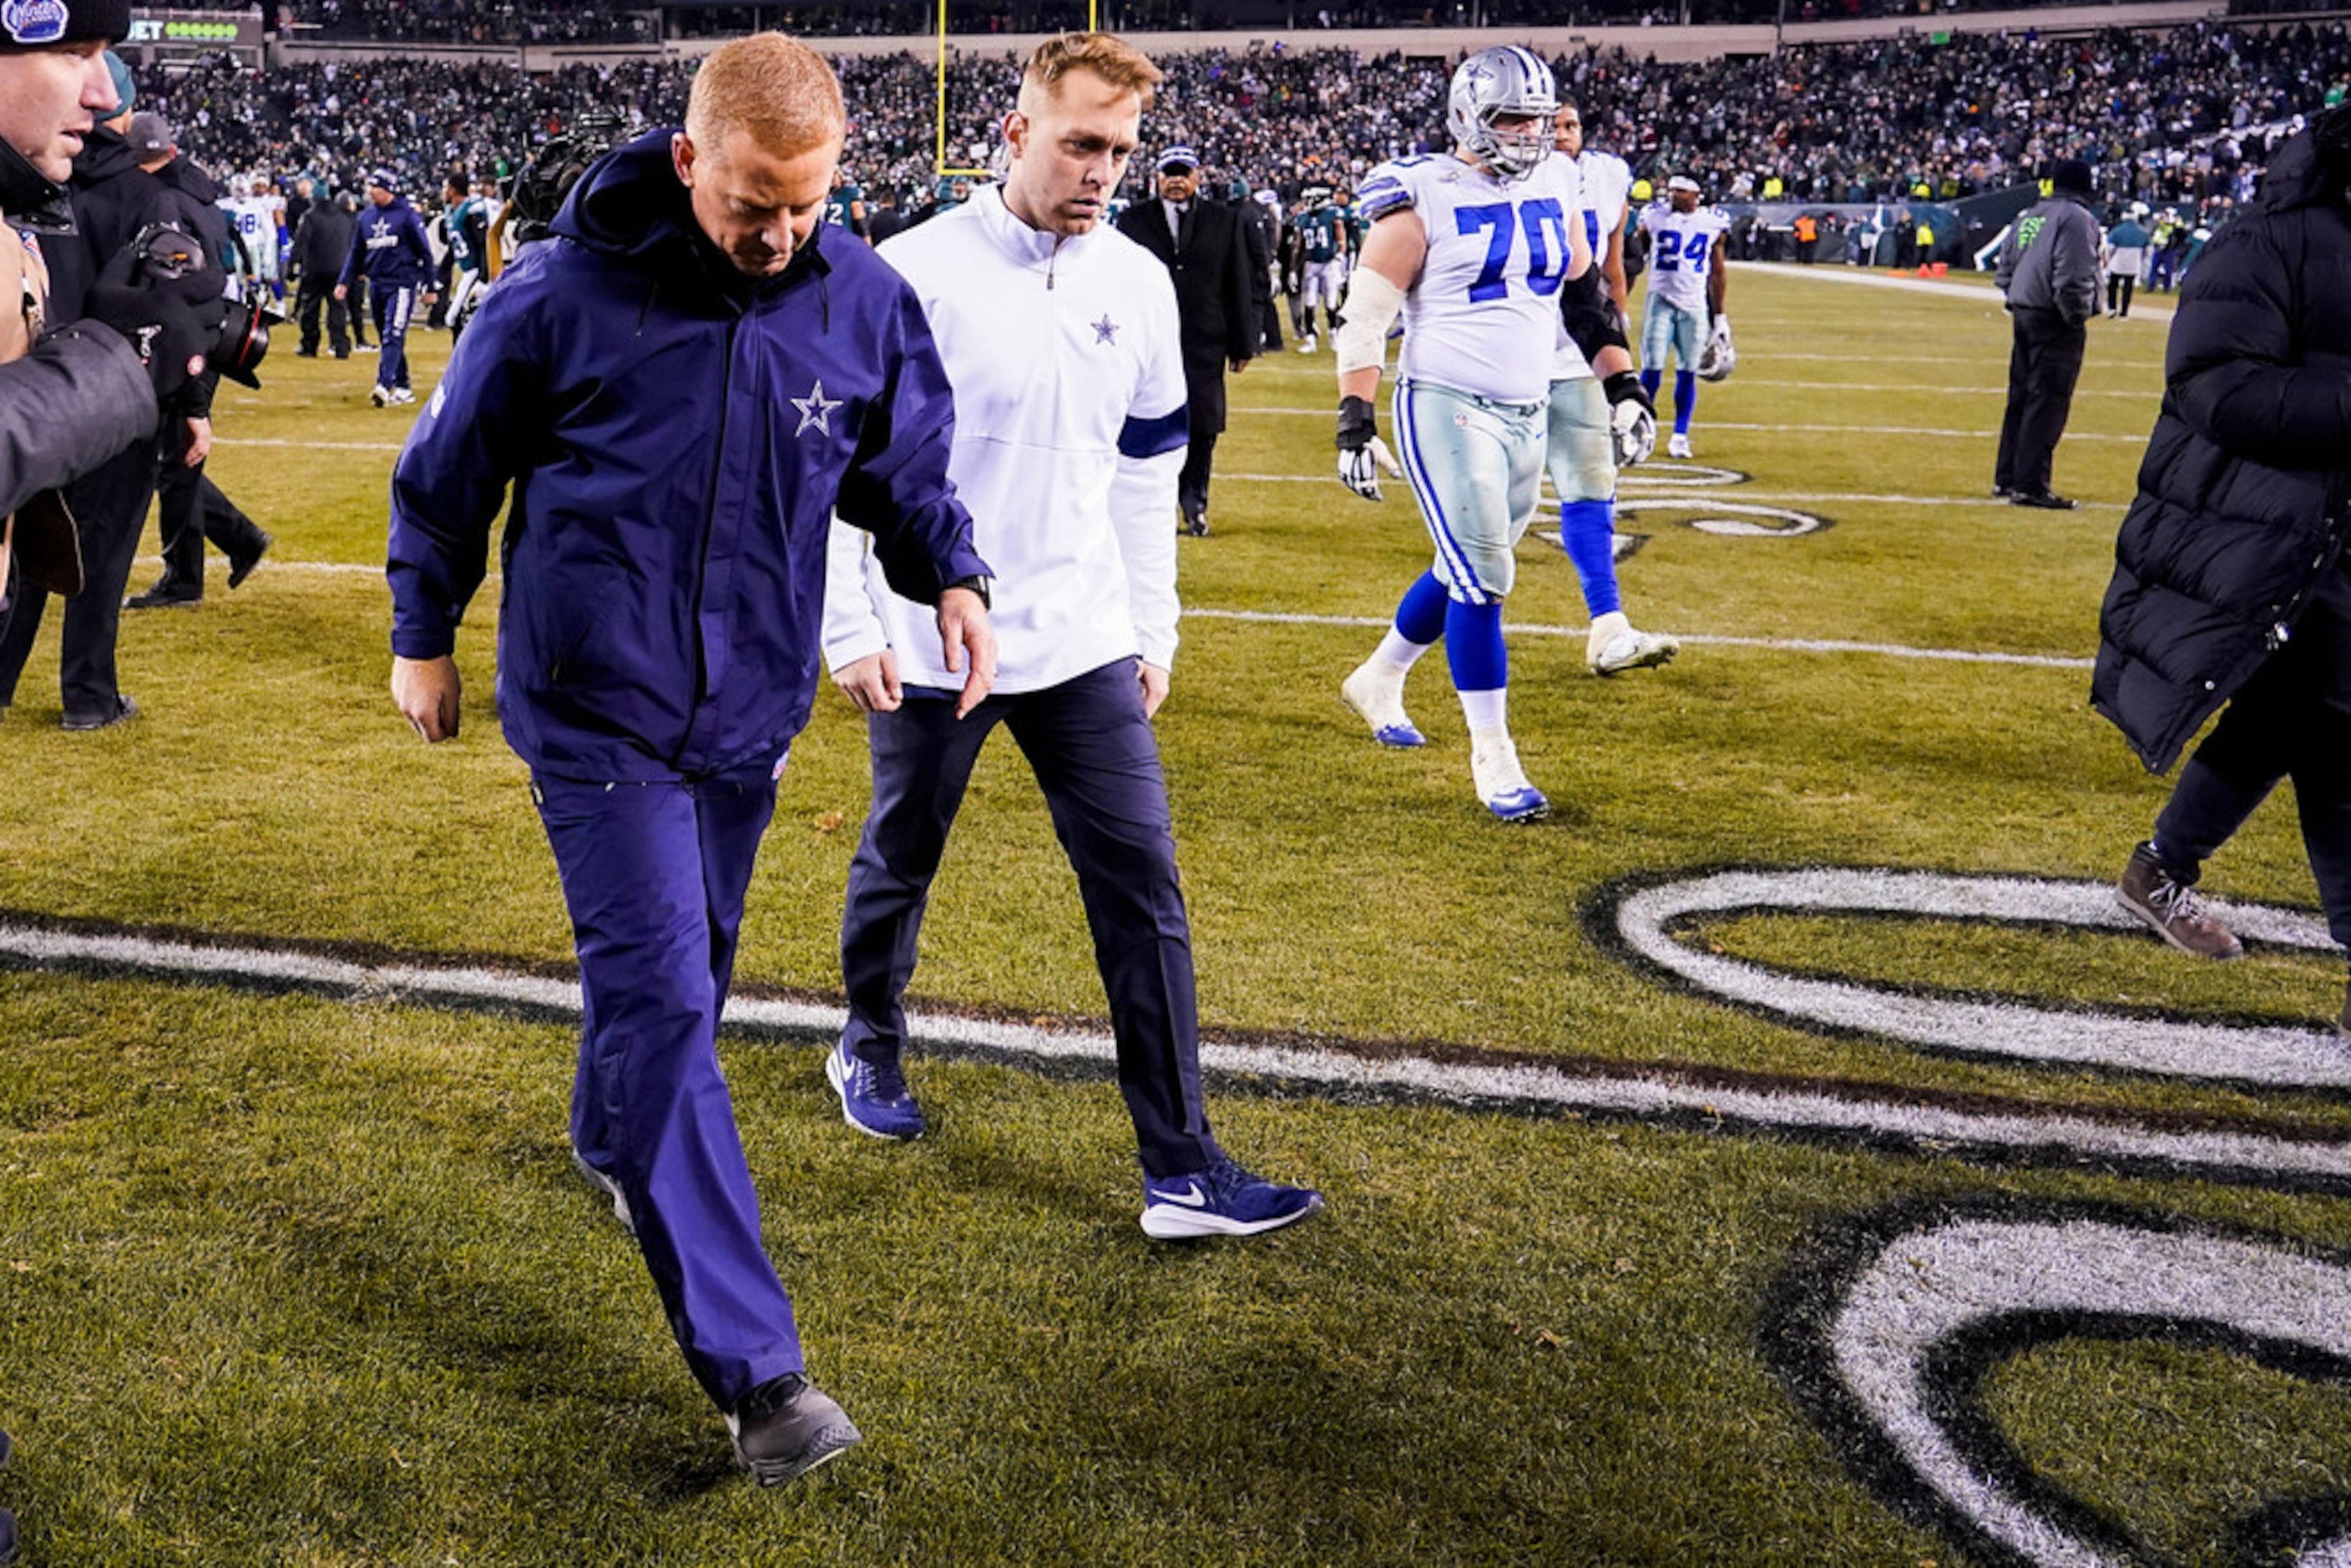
(1632, 650)
(1306, 345)
(1378, 699)
(1678, 445)
(1502, 783)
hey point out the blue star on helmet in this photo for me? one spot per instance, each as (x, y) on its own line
(815, 409)
(1105, 329)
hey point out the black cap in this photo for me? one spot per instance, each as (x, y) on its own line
(38, 24)
(2071, 176)
(150, 134)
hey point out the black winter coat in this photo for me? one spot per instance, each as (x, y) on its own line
(113, 198)
(321, 242)
(1218, 314)
(2242, 493)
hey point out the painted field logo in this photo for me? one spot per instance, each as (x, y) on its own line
(1689, 489)
(1670, 487)
(1643, 922)
(1886, 1329)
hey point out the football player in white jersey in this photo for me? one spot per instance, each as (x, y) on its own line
(1687, 284)
(257, 216)
(1581, 451)
(1474, 248)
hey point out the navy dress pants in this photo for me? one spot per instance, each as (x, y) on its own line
(1093, 753)
(2292, 719)
(394, 305)
(653, 876)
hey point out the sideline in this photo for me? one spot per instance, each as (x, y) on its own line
(1515, 629)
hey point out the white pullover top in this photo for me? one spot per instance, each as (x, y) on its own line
(1068, 373)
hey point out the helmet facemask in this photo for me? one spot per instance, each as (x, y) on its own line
(1498, 84)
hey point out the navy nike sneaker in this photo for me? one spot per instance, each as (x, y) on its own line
(1221, 1200)
(874, 1097)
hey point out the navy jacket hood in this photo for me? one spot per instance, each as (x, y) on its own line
(629, 204)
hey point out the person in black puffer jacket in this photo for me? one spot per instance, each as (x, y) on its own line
(2231, 584)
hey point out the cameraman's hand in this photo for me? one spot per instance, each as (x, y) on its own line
(171, 322)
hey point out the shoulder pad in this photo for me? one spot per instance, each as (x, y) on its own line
(1384, 190)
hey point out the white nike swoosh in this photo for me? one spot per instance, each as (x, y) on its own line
(1190, 1198)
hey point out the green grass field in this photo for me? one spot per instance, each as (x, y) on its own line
(299, 1273)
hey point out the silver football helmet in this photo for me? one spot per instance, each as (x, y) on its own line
(1718, 359)
(1506, 80)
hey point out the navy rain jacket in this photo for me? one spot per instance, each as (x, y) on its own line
(2242, 495)
(390, 246)
(678, 436)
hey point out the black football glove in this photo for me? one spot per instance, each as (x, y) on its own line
(1632, 418)
(1361, 453)
(168, 303)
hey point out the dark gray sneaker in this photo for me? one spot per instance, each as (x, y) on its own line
(2171, 909)
(786, 1428)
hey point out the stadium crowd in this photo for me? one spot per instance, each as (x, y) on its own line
(499, 22)
(502, 22)
(2182, 119)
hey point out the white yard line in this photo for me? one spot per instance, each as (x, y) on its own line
(1663, 490)
(1785, 429)
(1781, 645)
(1291, 618)
(1532, 1086)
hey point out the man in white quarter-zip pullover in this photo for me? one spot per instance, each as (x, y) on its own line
(1060, 340)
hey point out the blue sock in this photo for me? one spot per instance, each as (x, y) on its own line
(1650, 381)
(1685, 400)
(1421, 617)
(1473, 646)
(1588, 532)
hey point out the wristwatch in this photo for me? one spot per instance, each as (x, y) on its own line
(978, 585)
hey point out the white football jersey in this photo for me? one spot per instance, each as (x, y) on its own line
(1482, 318)
(1682, 252)
(255, 219)
(1606, 179)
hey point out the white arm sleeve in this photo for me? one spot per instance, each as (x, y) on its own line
(1372, 306)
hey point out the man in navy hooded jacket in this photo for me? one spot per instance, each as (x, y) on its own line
(681, 392)
(390, 249)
